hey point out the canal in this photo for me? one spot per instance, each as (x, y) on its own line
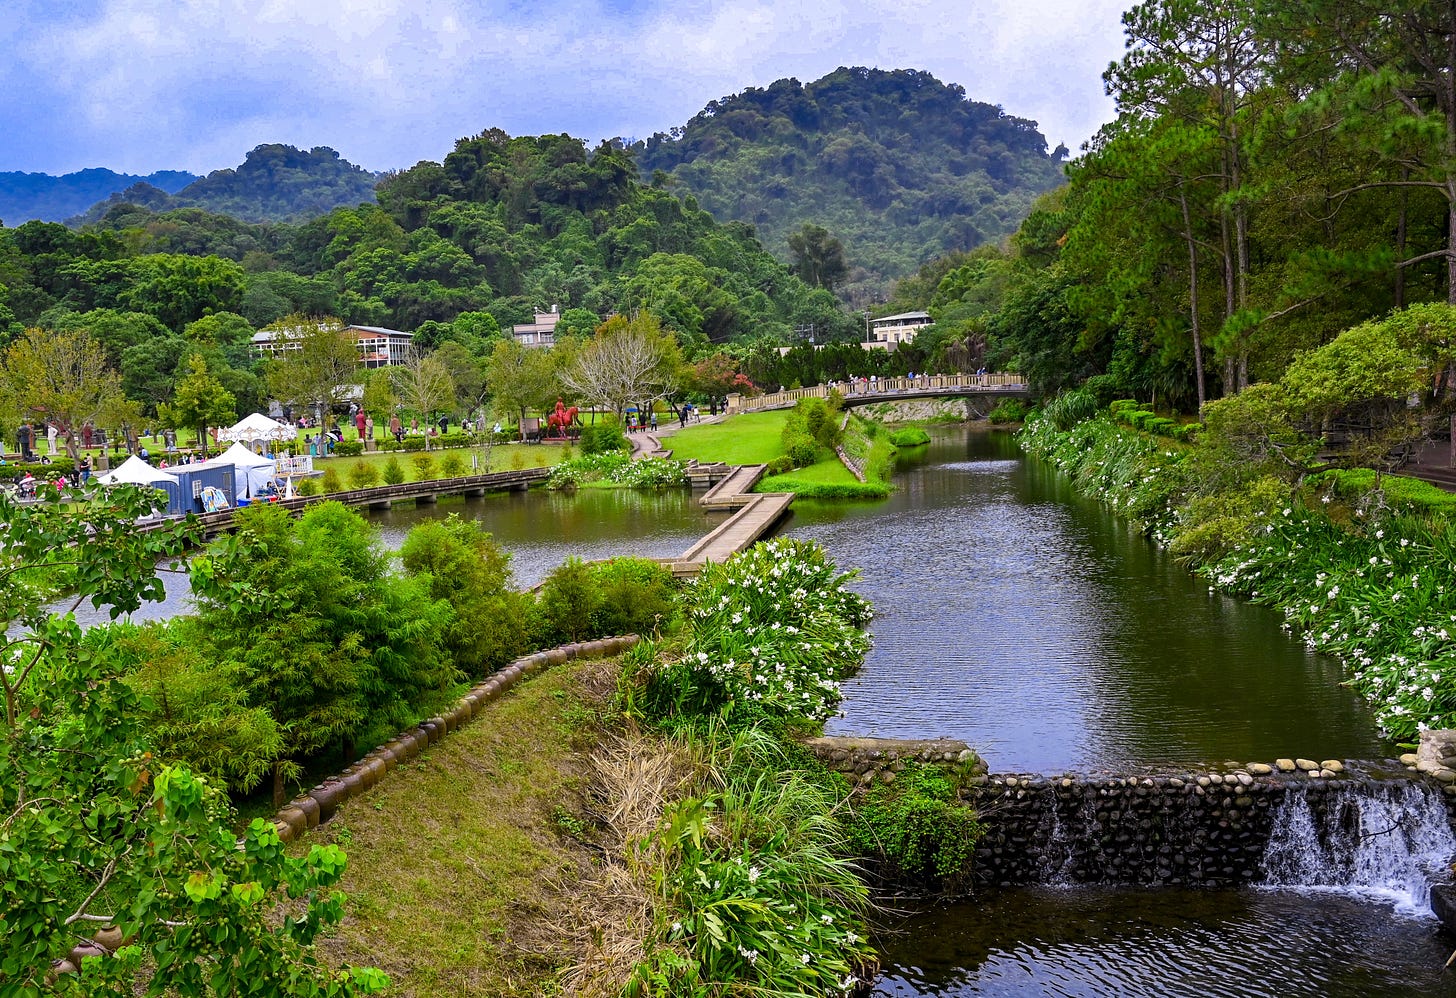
(1049, 635)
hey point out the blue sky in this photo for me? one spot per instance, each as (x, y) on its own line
(143, 85)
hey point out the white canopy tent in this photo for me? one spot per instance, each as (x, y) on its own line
(257, 426)
(254, 472)
(135, 471)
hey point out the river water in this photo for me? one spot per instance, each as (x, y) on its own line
(1049, 635)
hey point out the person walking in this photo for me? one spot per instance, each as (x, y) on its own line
(85, 469)
(396, 429)
(653, 419)
(359, 419)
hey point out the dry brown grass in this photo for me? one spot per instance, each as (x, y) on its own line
(634, 779)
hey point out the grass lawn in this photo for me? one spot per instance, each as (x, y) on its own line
(462, 862)
(749, 438)
(503, 457)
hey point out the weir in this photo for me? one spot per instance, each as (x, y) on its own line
(1365, 831)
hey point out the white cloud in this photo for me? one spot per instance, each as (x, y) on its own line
(151, 84)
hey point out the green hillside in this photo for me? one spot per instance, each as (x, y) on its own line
(900, 167)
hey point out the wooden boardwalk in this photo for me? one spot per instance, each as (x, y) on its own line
(755, 515)
(383, 495)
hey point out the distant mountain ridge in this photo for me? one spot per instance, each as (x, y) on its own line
(274, 183)
(28, 196)
(899, 166)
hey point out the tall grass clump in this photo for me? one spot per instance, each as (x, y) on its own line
(756, 892)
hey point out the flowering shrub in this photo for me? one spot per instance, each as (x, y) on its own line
(1139, 476)
(1360, 573)
(1374, 595)
(617, 469)
(774, 630)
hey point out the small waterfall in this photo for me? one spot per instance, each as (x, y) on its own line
(1384, 838)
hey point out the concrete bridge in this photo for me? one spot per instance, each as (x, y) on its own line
(924, 386)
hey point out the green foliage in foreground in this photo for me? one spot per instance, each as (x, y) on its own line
(916, 828)
(99, 829)
(1358, 563)
(582, 600)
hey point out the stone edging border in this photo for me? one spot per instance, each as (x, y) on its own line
(318, 805)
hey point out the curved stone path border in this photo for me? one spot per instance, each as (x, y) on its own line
(318, 805)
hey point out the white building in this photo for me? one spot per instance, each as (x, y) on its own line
(888, 332)
(378, 347)
(541, 332)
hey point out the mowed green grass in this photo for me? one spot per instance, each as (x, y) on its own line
(749, 438)
(461, 862)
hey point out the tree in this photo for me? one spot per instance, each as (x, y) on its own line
(200, 400)
(818, 256)
(629, 360)
(521, 378)
(62, 377)
(467, 371)
(319, 365)
(99, 830)
(379, 398)
(423, 385)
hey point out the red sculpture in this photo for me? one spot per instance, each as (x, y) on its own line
(560, 418)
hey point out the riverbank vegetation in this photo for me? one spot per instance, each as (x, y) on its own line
(1356, 560)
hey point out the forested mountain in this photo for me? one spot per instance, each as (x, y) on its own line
(28, 196)
(1225, 225)
(275, 183)
(455, 251)
(896, 165)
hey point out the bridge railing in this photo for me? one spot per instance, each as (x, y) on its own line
(880, 387)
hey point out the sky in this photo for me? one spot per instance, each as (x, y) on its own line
(144, 85)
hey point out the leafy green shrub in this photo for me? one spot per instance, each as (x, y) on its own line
(567, 603)
(393, 471)
(414, 443)
(460, 563)
(828, 490)
(1070, 408)
(603, 438)
(801, 449)
(307, 487)
(1214, 525)
(452, 466)
(58, 466)
(636, 596)
(916, 828)
(330, 480)
(1186, 432)
(1009, 411)
(455, 438)
(1123, 405)
(424, 466)
(910, 436)
(1162, 426)
(779, 465)
(389, 443)
(1104, 387)
(349, 448)
(363, 475)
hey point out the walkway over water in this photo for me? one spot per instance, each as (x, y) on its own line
(925, 386)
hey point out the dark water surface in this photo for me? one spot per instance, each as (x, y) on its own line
(1141, 943)
(1046, 633)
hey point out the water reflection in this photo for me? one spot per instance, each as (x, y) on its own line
(1126, 943)
(1044, 631)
